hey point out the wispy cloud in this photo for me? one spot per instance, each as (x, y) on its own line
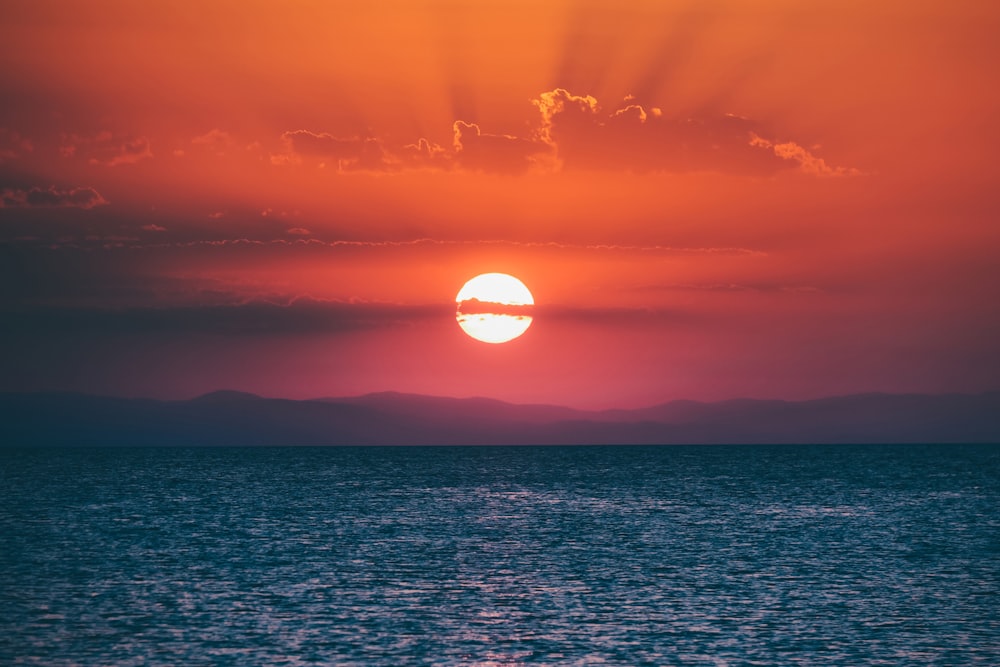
(215, 140)
(13, 145)
(807, 162)
(128, 152)
(51, 197)
(362, 244)
(106, 149)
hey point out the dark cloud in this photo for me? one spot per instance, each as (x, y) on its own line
(477, 307)
(349, 153)
(763, 287)
(482, 151)
(575, 132)
(608, 315)
(633, 137)
(302, 316)
(51, 198)
(305, 142)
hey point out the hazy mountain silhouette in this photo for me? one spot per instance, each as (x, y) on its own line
(235, 418)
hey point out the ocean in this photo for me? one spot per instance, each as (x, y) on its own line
(706, 555)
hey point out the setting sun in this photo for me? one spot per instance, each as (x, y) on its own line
(493, 307)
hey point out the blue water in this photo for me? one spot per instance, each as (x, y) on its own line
(841, 555)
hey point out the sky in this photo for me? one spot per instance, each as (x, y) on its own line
(708, 199)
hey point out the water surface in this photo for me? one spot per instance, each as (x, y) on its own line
(839, 555)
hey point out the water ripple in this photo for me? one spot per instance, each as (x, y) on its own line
(501, 556)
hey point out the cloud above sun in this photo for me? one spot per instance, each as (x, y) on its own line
(573, 132)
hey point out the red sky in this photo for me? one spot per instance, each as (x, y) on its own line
(708, 199)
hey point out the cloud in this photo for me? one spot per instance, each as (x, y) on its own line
(574, 132)
(633, 137)
(471, 149)
(298, 231)
(51, 198)
(610, 315)
(128, 152)
(270, 212)
(13, 145)
(283, 316)
(568, 109)
(300, 316)
(351, 245)
(216, 140)
(503, 153)
(724, 287)
(807, 162)
(105, 149)
(348, 153)
(423, 153)
(476, 307)
(154, 228)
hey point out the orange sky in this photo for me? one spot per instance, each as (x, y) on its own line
(707, 199)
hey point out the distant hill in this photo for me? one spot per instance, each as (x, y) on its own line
(235, 418)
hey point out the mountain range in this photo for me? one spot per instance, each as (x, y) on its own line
(235, 418)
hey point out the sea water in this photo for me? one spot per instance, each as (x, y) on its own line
(714, 555)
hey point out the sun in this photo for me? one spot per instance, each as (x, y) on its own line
(494, 308)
